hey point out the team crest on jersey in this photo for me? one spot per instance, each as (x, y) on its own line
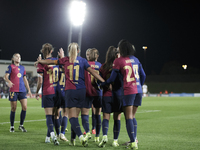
(19, 75)
(18, 68)
(12, 95)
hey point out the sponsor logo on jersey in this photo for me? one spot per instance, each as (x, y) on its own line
(19, 75)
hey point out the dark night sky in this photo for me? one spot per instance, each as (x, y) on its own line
(170, 29)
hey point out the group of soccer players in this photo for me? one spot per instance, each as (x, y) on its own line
(76, 84)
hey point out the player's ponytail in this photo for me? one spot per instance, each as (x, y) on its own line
(110, 57)
(46, 49)
(73, 48)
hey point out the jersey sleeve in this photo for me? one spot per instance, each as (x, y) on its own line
(9, 69)
(86, 64)
(142, 74)
(24, 74)
(40, 68)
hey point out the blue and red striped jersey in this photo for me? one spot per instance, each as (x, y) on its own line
(74, 72)
(50, 77)
(125, 67)
(91, 82)
(140, 75)
(16, 74)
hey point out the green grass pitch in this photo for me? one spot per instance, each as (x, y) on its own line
(164, 123)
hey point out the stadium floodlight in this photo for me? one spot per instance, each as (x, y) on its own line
(144, 47)
(77, 12)
(184, 67)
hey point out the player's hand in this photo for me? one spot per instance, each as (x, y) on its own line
(37, 96)
(30, 94)
(36, 63)
(61, 53)
(39, 57)
(10, 84)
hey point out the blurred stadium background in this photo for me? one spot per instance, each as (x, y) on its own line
(173, 80)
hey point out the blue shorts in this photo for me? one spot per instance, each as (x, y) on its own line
(48, 101)
(97, 101)
(128, 100)
(118, 102)
(107, 104)
(138, 99)
(74, 98)
(88, 102)
(14, 96)
(60, 99)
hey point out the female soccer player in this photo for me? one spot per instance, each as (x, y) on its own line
(140, 77)
(93, 109)
(124, 66)
(16, 80)
(111, 99)
(93, 96)
(50, 81)
(74, 86)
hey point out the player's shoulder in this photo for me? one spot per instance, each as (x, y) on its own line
(135, 59)
(21, 66)
(120, 60)
(66, 58)
(98, 63)
(81, 58)
(11, 65)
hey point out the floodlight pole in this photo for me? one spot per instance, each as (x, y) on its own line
(80, 40)
(69, 36)
(144, 48)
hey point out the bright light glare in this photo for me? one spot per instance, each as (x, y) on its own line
(77, 12)
(184, 66)
(144, 47)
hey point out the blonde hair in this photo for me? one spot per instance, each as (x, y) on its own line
(72, 49)
(92, 54)
(88, 50)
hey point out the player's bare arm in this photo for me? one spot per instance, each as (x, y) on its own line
(27, 86)
(39, 84)
(9, 83)
(95, 74)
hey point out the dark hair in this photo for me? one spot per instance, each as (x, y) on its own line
(46, 49)
(110, 57)
(126, 48)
